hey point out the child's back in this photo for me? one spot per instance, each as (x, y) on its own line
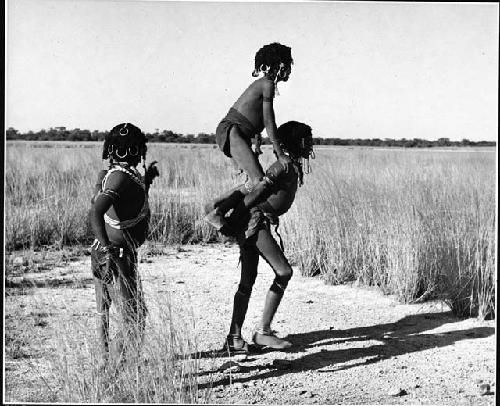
(250, 102)
(129, 210)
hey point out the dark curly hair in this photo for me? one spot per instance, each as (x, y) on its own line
(272, 55)
(296, 139)
(125, 139)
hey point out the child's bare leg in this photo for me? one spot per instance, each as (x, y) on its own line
(243, 155)
(122, 342)
(130, 304)
(249, 257)
(245, 158)
(272, 253)
(249, 200)
(103, 302)
(234, 195)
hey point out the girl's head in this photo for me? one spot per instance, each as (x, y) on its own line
(296, 139)
(125, 143)
(275, 61)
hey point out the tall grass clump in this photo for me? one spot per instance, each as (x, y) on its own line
(418, 224)
(47, 196)
(161, 369)
(190, 177)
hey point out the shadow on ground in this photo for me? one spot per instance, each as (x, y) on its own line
(402, 337)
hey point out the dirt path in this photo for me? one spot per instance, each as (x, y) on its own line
(351, 345)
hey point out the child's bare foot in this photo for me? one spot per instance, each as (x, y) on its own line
(269, 339)
(208, 207)
(215, 219)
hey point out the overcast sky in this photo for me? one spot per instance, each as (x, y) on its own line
(362, 70)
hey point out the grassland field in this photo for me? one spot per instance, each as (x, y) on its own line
(419, 224)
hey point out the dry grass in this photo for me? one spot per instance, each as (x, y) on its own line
(415, 223)
(418, 224)
(59, 349)
(163, 370)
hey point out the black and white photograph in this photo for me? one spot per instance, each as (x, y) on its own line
(250, 202)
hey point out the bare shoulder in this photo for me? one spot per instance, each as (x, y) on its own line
(117, 180)
(100, 176)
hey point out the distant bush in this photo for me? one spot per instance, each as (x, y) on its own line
(62, 134)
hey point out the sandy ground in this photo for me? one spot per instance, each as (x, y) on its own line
(352, 345)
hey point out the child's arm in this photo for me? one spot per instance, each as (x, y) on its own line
(115, 185)
(151, 173)
(264, 189)
(270, 122)
(97, 186)
(275, 172)
(101, 205)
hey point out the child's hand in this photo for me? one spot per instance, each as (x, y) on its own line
(257, 150)
(152, 171)
(285, 161)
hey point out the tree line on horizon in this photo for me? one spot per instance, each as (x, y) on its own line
(167, 136)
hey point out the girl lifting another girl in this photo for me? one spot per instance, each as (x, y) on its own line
(253, 233)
